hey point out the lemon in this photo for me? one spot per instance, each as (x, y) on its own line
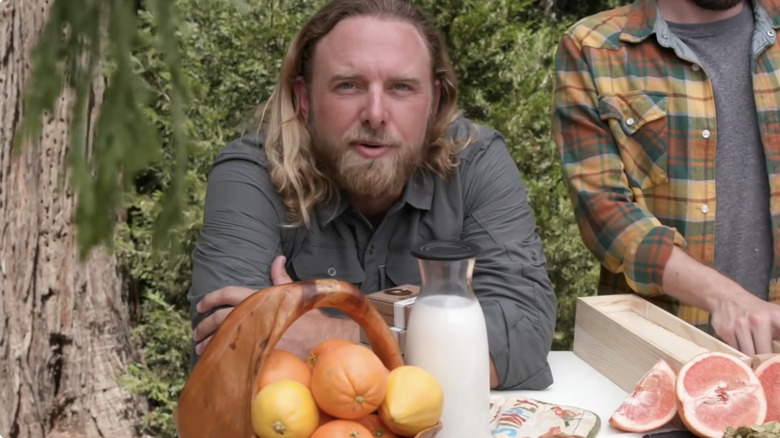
(284, 409)
(414, 400)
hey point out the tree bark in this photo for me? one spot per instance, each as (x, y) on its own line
(63, 323)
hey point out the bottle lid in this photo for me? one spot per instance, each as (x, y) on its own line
(444, 250)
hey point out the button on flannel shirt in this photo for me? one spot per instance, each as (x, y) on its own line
(634, 120)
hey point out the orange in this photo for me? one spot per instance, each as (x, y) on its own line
(374, 425)
(283, 365)
(324, 347)
(716, 390)
(284, 409)
(769, 375)
(414, 401)
(652, 403)
(341, 429)
(349, 382)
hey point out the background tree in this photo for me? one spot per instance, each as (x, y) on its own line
(65, 319)
(132, 157)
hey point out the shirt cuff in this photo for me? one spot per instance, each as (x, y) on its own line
(646, 270)
(518, 349)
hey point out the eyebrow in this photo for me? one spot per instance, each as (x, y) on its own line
(338, 77)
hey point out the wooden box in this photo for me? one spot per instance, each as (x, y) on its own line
(623, 336)
(395, 304)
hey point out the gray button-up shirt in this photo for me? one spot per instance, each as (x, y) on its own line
(484, 202)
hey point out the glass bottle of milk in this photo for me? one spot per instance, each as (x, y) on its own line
(446, 335)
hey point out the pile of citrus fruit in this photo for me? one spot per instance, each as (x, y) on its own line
(342, 391)
(711, 393)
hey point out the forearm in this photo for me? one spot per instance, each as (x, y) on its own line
(696, 284)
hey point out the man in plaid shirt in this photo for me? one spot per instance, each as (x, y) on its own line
(667, 118)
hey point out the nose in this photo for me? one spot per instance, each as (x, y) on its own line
(374, 112)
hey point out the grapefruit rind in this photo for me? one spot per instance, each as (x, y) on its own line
(769, 375)
(716, 390)
(651, 405)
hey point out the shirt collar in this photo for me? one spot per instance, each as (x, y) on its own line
(640, 22)
(331, 208)
(770, 10)
(418, 193)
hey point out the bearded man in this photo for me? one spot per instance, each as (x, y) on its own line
(667, 115)
(361, 155)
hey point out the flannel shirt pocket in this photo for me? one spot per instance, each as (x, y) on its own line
(639, 124)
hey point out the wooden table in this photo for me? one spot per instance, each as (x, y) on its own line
(578, 384)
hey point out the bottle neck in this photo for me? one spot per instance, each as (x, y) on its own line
(450, 277)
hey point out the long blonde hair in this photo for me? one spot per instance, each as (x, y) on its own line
(287, 140)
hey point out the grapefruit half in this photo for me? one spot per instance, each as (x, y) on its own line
(769, 375)
(716, 390)
(652, 403)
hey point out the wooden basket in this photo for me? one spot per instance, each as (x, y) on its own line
(216, 400)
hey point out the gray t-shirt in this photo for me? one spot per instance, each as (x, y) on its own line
(743, 234)
(484, 203)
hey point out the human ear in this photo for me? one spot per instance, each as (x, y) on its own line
(301, 91)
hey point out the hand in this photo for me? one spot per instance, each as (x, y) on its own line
(230, 296)
(739, 318)
(747, 323)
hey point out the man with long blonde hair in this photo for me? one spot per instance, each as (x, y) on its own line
(361, 154)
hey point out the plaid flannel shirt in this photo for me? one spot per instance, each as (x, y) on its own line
(634, 120)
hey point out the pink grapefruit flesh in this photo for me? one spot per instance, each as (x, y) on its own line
(769, 375)
(651, 405)
(716, 390)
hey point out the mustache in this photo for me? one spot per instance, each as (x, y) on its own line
(368, 135)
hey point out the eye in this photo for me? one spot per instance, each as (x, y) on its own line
(402, 86)
(346, 86)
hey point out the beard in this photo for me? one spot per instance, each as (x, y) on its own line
(716, 5)
(367, 177)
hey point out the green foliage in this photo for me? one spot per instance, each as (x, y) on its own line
(231, 52)
(579, 8)
(76, 43)
(154, 377)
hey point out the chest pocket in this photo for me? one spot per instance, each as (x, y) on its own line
(316, 262)
(639, 123)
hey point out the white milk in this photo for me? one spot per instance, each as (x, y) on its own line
(446, 335)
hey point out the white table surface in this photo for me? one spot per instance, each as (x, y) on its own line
(577, 384)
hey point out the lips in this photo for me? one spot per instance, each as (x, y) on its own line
(371, 150)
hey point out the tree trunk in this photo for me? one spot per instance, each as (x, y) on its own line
(63, 323)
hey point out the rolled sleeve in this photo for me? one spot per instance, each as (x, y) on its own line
(649, 261)
(519, 345)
